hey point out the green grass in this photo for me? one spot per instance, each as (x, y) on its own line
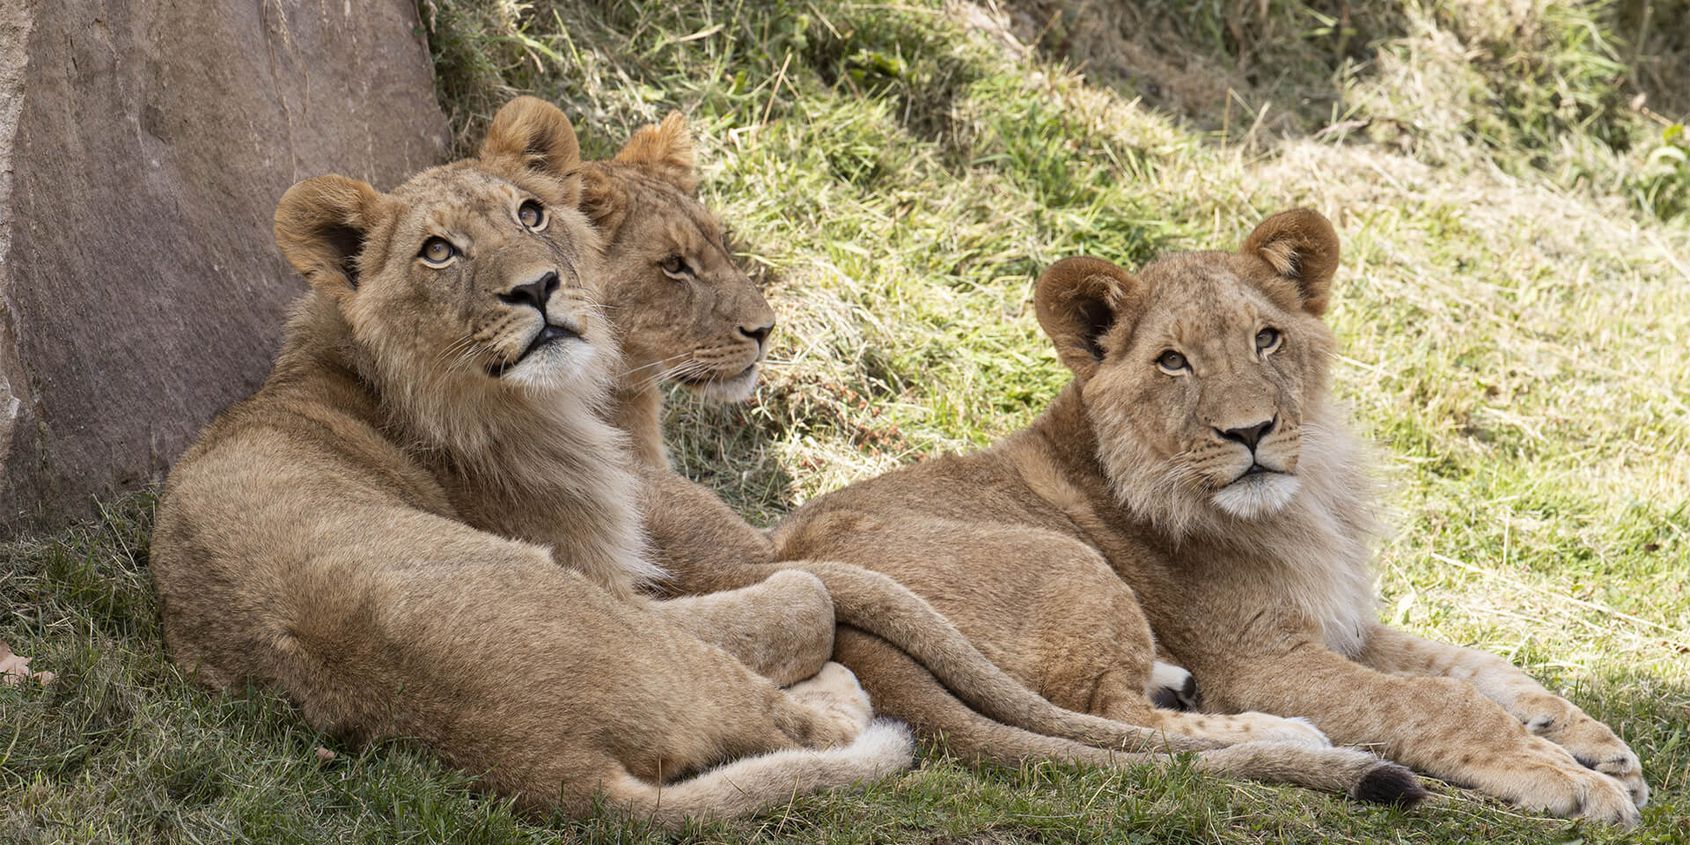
(1514, 311)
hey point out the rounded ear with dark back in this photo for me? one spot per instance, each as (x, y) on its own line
(1302, 247)
(530, 133)
(321, 227)
(665, 150)
(1078, 301)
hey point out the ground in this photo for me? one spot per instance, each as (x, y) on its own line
(1513, 309)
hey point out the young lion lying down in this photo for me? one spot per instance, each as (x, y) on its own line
(1198, 455)
(686, 313)
(420, 527)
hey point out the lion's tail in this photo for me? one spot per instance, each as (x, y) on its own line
(876, 603)
(899, 685)
(750, 784)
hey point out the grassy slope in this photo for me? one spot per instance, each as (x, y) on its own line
(1513, 310)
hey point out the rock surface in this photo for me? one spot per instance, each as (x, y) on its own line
(143, 147)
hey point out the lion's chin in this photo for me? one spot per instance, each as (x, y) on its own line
(1256, 496)
(557, 366)
(737, 388)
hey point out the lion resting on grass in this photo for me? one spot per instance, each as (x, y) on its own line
(686, 313)
(1198, 456)
(419, 526)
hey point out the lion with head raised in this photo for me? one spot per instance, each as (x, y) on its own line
(421, 526)
(1198, 456)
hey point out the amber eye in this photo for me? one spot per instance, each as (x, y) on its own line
(1172, 362)
(437, 252)
(1267, 339)
(532, 215)
(676, 267)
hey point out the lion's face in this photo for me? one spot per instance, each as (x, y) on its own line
(479, 274)
(1197, 372)
(684, 310)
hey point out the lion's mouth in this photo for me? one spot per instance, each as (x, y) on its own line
(548, 335)
(1256, 469)
(715, 379)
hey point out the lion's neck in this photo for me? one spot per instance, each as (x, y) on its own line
(1317, 553)
(547, 470)
(638, 411)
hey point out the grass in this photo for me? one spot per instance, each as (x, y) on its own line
(1514, 311)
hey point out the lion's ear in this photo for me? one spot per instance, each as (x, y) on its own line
(1300, 245)
(664, 149)
(1078, 301)
(603, 200)
(530, 133)
(321, 227)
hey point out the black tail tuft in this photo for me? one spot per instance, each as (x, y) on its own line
(1389, 783)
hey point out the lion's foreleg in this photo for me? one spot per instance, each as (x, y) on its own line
(1542, 712)
(1437, 725)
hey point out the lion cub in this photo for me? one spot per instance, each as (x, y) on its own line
(419, 526)
(1198, 457)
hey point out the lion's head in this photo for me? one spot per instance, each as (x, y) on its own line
(684, 310)
(473, 279)
(1203, 374)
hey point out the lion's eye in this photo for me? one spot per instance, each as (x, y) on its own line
(532, 215)
(1267, 339)
(437, 252)
(1172, 362)
(676, 267)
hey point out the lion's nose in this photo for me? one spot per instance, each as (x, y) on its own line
(758, 333)
(534, 293)
(1248, 435)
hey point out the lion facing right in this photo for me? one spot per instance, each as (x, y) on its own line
(1197, 454)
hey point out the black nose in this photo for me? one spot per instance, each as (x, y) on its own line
(534, 294)
(1249, 435)
(757, 333)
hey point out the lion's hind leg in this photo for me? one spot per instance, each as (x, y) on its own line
(780, 628)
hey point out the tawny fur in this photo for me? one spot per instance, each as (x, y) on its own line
(1199, 457)
(649, 219)
(420, 525)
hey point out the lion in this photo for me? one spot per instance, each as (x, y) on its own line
(1198, 457)
(686, 313)
(421, 526)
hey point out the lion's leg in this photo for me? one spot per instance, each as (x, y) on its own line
(1437, 725)
(901, 687)
(782, 628)
(475, 659)
(1541, 711)
(1092, 651)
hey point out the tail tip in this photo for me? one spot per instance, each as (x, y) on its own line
(889, 741)
(1389, 783)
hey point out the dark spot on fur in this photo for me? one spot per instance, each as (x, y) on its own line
(1585, 761)
(1389, 783)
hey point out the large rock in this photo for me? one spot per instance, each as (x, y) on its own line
(143, 147)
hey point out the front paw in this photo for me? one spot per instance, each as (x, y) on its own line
(1595, 746)
(1549, 780)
